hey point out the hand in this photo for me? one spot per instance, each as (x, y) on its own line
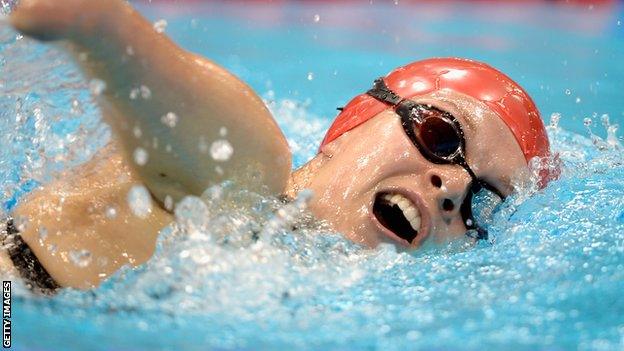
(58, 19)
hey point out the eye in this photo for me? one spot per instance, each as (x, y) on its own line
(439, 136)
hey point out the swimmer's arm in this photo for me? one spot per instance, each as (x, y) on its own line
(114, 43)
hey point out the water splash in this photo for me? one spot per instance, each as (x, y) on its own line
(551, 278)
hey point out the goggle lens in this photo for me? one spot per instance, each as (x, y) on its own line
(439, 136)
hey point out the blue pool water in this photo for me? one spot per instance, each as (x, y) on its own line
(552, 278)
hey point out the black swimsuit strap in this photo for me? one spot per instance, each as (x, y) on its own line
(27, 264)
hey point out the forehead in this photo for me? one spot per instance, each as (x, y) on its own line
(491, 149)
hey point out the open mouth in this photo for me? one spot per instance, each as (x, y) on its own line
(398, 214)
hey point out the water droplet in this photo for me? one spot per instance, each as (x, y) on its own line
(76, 108)
(111, 212)
(20, 223)
(8, 6)
(170, 119)
(81, 258)
(221, 150)
(136, 131)
(317, 18)
(554, 119)
(605, 120)
(102, 261)
(139, 201)
(310, 75)
(168, 203)
(192, 212)
(160, 25)
(52, 248)
(97, 86)
(568, 92)
(43, 233)
(134, 93)
(146, 93)
(140, 156)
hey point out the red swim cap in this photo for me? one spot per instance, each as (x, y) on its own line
(484, 83)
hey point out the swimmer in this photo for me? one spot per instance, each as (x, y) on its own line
(403, 163)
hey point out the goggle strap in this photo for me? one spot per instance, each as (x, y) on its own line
(381, 92)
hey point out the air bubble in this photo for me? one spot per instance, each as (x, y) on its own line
(160, 26)
(310, 76)
(140, 156)
(568, 92)
(223, 131)
(129, 50)
(80, 258)
(317, 18)
(170, 119)
(221, 150)
(139, 201)
(587, 122)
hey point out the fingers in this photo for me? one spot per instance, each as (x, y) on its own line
(43, 19)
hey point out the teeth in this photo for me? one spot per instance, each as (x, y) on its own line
(409, 209)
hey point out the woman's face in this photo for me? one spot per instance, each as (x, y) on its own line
(376, 164)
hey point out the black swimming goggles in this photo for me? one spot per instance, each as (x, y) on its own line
(439, 138)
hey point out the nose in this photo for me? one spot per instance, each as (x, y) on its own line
(449, 185)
